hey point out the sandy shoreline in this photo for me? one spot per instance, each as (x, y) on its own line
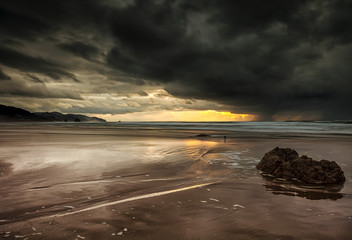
(85, 184)
(219, 211)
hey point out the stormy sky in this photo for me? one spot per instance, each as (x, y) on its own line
(275, 60)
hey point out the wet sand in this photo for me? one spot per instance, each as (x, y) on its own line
(84, 182)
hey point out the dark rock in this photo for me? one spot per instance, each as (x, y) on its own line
(203, 135)
(285, 163)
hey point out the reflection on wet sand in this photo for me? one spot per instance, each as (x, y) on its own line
(312, 192)
(111, 183)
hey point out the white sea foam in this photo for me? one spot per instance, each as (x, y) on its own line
(235, 206)
(213, 199)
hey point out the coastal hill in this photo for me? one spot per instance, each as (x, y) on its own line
(14, 114)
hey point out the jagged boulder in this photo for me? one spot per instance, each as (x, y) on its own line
(285, 163)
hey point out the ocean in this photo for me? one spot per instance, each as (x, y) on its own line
(168, 180)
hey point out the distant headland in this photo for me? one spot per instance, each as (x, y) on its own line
(14, 114)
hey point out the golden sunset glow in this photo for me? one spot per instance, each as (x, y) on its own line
(211, 115)
(191, 116)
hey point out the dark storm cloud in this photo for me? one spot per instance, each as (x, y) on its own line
(35, 78)
(20, 25)
(25, 63)
(32, 20)
(4, 76)
(253, 62)
(80, 49)
(261, 57)
(22, 89)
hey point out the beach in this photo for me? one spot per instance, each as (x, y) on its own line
(168, 181)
